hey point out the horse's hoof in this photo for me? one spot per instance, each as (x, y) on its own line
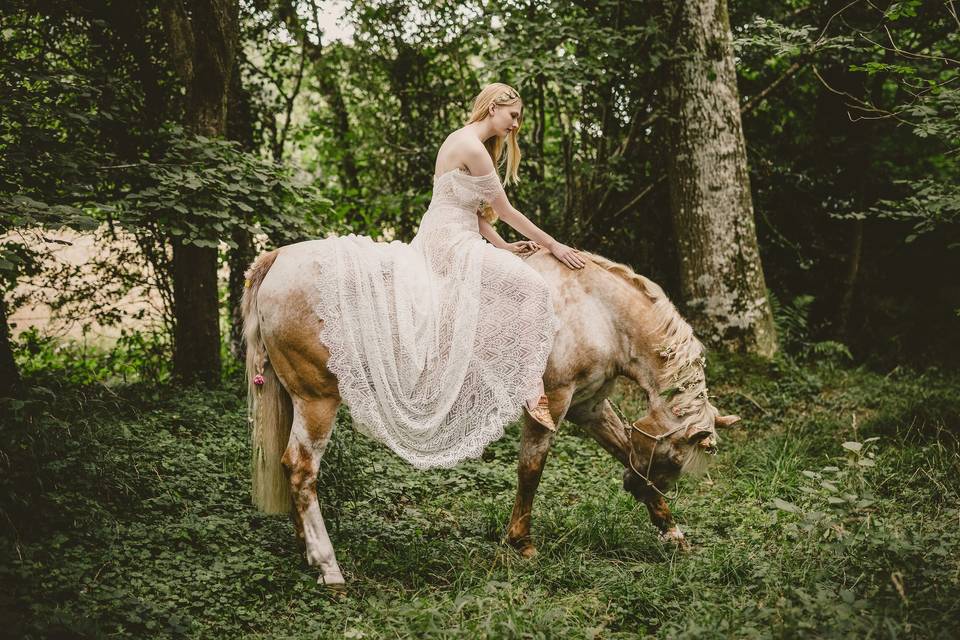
(528, 551)
(523, 546)
(525, 549)
(675, 536)
(333, 581)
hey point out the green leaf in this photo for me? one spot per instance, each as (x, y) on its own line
(783, 505)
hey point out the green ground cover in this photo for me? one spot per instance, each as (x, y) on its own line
(832, 512)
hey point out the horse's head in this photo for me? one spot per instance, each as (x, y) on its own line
(667, 442)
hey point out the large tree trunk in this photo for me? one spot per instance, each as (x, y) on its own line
(239, 257)
(202, 45)
(9, 374)
(721, 275)
(196, 332)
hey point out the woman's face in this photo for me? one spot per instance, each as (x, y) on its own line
(506, 117)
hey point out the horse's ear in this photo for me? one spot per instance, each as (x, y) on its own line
(726, 421)
(696, 434)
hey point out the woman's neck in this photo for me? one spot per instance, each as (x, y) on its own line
(482, 129)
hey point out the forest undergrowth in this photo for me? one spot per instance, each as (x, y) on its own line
(831, 511)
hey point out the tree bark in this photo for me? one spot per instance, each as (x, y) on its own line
(239, 257)
(196, 308)
(9, 374)
(850, 282)
(721, 276)
(203, 51)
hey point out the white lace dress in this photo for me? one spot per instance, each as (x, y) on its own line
(436, 344)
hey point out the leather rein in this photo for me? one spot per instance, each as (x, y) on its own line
(628, 427)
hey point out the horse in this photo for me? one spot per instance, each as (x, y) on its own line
(614, 322)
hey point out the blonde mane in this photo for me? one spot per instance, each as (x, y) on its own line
(681, 379)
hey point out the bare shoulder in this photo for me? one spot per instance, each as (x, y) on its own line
(463, 150)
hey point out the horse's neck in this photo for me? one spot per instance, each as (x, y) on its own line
(643, 363)
(630, 310)
(638, 313)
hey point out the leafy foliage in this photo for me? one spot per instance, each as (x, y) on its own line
(795, 333)
(126, 512)
(200, 189)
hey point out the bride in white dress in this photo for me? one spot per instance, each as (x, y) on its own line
(438, 344)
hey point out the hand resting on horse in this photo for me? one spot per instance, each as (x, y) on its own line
(479, 163)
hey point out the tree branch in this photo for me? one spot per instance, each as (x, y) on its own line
(904, 53)
(641, 195)
(287, 116)
(786, 75)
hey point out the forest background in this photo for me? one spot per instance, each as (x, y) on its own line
(180, 139)
(849, 113)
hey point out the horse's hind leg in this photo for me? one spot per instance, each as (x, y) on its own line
(312, 427)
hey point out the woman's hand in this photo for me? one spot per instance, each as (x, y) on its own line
(567, 255)
(522, 247)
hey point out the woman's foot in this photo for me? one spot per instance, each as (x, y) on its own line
(541, 413)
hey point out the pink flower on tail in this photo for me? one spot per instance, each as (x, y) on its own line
(258, 380)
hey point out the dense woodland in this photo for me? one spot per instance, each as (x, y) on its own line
(787, 171)
(184, 152)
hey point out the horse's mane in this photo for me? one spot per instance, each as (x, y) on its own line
(681, 378)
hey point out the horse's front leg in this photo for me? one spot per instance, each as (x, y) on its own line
(662, 518)
(535, 441)
(602, 423)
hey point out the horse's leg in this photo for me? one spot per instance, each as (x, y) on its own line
(535, 441)
(602, 423)
(312, 427)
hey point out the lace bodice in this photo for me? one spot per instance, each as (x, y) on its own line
(457, 197)
(462, 189)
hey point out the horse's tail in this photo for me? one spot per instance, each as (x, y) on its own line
(268, 403)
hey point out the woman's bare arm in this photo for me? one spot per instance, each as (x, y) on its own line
(488, 232)
(479, 163)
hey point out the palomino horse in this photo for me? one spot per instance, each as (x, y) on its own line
(614, 322)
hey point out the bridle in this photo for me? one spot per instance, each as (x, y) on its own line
(628, 427)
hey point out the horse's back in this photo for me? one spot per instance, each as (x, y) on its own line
(586, 346)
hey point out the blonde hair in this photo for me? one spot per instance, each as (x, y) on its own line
(501, 95)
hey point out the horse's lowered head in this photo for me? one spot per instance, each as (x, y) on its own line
(678, 435)
(618, 323)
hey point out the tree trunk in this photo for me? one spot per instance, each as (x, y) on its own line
(202, 46)
(850, 282)
(721, 275)
(9, 374)
(239, 257)
(196, 332)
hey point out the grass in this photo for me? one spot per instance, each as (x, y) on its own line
(125, 513)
